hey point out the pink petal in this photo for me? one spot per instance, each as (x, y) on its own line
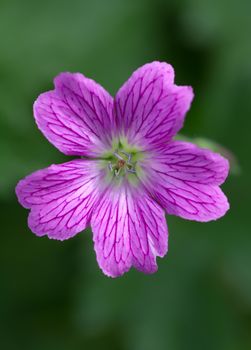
(149, 107)
(76, 117)
(129, 230)
(60, 197)
(184, 180)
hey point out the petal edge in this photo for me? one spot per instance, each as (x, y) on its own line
(75, 114)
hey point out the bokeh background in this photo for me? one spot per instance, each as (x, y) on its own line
(53, 295)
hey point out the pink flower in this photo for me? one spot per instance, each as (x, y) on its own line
(130, 171)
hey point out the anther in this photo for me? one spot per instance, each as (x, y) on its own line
(129, 156)
(110, 166)
(133, 171)
(118, 156)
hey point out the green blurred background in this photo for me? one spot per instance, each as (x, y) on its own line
(53, 295)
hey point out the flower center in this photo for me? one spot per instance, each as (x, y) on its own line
(122, 163)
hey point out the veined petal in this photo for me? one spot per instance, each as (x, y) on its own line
(184, 180)
(129, 229)
(186, 161)
(149, 107)
(77, 116)
(60, 197)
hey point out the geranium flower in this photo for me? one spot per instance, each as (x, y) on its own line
(129, 172)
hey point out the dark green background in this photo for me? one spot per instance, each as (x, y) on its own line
(53, 295)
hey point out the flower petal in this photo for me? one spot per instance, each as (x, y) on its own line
(149, 107)
(184, 180)
(60, 197)
(129, 229)
(76, 117)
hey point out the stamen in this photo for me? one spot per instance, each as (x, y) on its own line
(118, 156)
(110, 166)
(129, 156)
(117, 171)
(122, 163)
(131, 170)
